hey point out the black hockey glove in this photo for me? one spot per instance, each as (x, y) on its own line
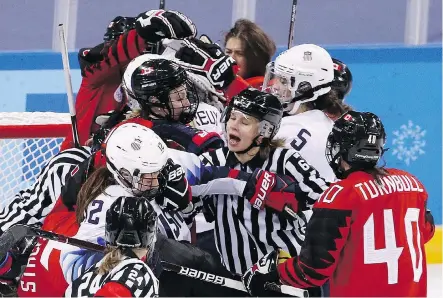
(263, 274)
(207, 60)
(177, 194)
(154, 25)
(107, 121)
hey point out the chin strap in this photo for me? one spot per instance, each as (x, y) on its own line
(253, 145)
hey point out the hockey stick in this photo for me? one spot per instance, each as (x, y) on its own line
(68, 82)
(17, 232)
(228, 282)
(159, 44)
(292, 23)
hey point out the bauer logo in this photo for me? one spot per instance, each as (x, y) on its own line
(208, 277)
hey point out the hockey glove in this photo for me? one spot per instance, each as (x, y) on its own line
(207, 60)
(177, 194)
(266, 189)
(154, 25)
(263, 274)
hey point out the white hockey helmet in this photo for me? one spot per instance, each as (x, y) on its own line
(132, 150)
(298, 75)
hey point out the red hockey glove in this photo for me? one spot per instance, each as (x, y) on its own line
(266, 189)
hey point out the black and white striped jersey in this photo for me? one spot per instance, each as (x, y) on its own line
(244, 234)
(31, 205)
(130, 278)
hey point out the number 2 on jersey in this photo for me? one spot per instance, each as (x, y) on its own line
(96, 207)
(299, 142)
(391, 253)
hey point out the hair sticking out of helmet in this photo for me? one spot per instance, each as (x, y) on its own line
(358, 138)
(161, 88)
(131, 222)
(298, 75)
(118, 26)
(342, 79)
(137, 157)
(266, 108)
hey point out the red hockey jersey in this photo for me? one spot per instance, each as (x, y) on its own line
(366, 238)
(99, 90)
(43, 263)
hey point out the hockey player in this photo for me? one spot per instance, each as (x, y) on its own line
(130, 235)
(161, 91)
(251, 48)
(99, 91)
(195, 54)
(342, 83)
(373, 221)
(118, 26)
(244, 229)
(302, 79)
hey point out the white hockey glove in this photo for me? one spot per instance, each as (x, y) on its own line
(207, 60)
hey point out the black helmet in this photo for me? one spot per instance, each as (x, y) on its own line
(263, 106)
(131, 222)
(357, 138)
(149, 79)
(118, 26)
(342, 82)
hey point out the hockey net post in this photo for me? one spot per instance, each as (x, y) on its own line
(27, 141)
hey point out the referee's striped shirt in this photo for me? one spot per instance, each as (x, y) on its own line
(32, 205)
(244, 234)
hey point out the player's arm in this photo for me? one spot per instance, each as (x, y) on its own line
(116, 56)
(31, 205)
(191, 139)
(326, 234)
(429, 226)
(310, 184)
(150, 27)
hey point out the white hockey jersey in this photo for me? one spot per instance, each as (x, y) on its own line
(207, 118)
(75, 261)
(308, 133)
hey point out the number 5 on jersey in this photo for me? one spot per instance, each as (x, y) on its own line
(299, 142)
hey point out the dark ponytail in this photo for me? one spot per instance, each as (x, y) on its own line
(331, 104)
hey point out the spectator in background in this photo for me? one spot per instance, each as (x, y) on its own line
(251, 48)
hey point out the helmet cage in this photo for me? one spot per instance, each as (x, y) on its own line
(269, 118)
(118, 26)
(359, 145)
(282, 82)
(157, 93)
(133, 182)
